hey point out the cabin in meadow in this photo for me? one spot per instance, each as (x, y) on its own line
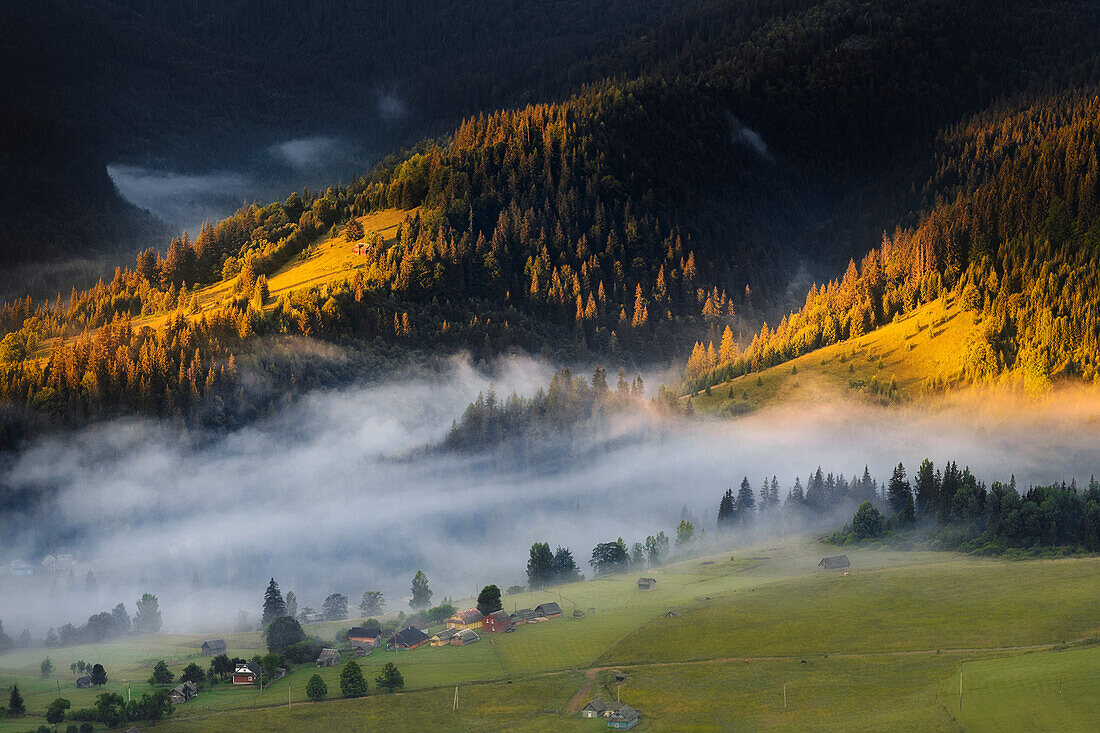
(837, 562)
(409, 638)
(594, 709)
(246, 673)
(523, 616)
(496, 622)
(464, 637)
(365, 635)
(183, 692)
(548, 610)
(443, 638)
(624, 718)
(213, 647)
(84, 682)
(468, 619)
(647, 583)
(329, 658)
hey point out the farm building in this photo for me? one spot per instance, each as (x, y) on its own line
(329, 658)
(594, 709)
(246, 673)
(624, 718)
(84, 682)
(59, 563)
(213, 647)
(20, 567)
(443, 638)
(468, 619)
(361, 650)
(837, 562)
(409, 638)
(523, 616)
(496, 622)
(647, 583)
(311, 618)
(184, 692)
(464, 637)
(549, 610)
(368, 635)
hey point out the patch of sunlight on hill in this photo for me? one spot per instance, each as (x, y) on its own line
(925, 345)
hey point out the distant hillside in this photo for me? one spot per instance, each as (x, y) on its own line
(1015, 240)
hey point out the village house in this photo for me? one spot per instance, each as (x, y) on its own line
(837, 562)
(522, 616)
(84, 682)
(213, 647)
(361, 650)
(464, 637)
(548, 610)
(329, 658)
(647, 583)
(496, 622)
(60, 563)
(443, 638)
(594, 709)
(20, 567)
(365, 635)
(624, 718)
(409, 638)
(311, 618)
(247, 673)
(468, 619)
(184, 692)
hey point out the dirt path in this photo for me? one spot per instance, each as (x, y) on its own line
(586, 687)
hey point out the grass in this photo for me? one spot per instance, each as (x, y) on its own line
(869, 641)
(926, 344)
(1052, 690)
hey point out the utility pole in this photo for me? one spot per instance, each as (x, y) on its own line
(784, 694)
(960, 690)
(454, 707)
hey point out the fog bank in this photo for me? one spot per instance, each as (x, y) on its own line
(332, 495)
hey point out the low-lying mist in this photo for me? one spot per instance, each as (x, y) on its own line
(336, 494)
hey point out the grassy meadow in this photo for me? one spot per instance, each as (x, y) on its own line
(878, 649)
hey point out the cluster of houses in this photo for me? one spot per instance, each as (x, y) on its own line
(619, 716)
(59, 563)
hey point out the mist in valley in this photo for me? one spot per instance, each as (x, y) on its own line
(338, 493)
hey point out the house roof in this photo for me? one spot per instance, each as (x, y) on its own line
(647, 580)
(409, 636)
(215, 643)
(329, 654)
(248, 668)
(545, 609)
(500, 616)
(836, 561)
(625, 713)
(524, 613)
(467, 635)
(445, 634)
(597, 705)
(365, 632)
(469, 616)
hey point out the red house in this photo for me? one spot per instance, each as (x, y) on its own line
(496, 622)
(246, 673)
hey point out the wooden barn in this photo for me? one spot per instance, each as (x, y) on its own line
(837, 562)
(647, 583)
(409, 638)
(329, 658)
(548, 610)
(594, 709)
(464, 637)
(365, 635)
(496, 622)
(184, 692)
(246, 673)
(213, 647)
(522, 616)
(468, 619)
(443, 638)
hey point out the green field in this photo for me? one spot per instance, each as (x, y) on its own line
(1052, 690)
(879, 649)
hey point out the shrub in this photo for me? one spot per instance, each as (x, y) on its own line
(316, 689)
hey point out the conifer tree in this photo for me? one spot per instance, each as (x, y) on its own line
(900, 495)
(421, 593)
(274, 606)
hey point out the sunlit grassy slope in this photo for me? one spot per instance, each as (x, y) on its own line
(927, 344)
(879, 646)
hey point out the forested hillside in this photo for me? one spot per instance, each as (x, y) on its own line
(733, 154)
(1015, 236)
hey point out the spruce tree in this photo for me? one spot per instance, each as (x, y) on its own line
(274, 606)
(16, 708)
(900, 495)
(421, 593)
(540, 566)
(352, 681)
(726, 508)
(746, 500)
